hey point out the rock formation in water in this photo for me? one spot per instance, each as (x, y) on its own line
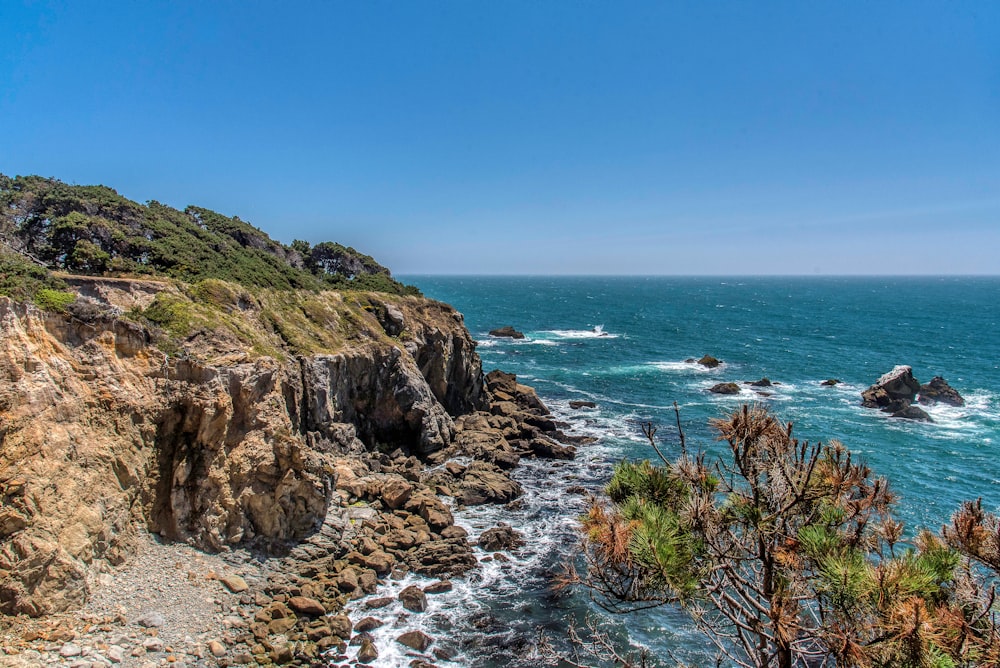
(507, 332)
(939, 391)
(894, 393)
(706, 361)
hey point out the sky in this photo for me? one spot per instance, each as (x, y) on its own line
(531, 137)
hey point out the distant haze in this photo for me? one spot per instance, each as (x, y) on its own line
(531, 137)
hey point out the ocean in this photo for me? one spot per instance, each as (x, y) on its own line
(622, 342)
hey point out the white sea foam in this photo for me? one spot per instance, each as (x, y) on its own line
(686, 367)
(545, 514)
(508, 343)
(595, 333)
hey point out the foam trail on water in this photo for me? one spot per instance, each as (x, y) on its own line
(595, 333)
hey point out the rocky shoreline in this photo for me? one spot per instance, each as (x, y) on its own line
(172, 583)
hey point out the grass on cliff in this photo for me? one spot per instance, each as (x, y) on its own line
(214, 317)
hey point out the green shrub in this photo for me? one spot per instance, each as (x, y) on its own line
(54, 300)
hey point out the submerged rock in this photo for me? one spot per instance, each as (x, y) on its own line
(763, 382)
(830, 382)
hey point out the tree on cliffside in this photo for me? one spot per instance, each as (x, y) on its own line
(786, 554)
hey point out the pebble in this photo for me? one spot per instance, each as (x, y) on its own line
(152, 645)
(234, 583)
(70, 650)
(151, 619)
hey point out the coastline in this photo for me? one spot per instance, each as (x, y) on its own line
(169, 601)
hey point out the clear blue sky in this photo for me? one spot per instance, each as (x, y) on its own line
(534, 137)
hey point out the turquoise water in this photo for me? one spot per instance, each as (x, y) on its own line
(795, 331)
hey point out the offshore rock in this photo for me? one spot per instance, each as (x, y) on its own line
(725, 388)
(892, 392)
(939, 391)
(709, 362)
(507, 332)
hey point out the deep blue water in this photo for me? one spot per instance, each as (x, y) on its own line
(795, 331)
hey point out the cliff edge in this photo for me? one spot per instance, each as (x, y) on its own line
(222, 434)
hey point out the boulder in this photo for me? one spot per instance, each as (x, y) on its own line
(396, 491)
(501, 537)
(413, 599)
(306, 606)
(438, 587)
(507, 332)
(709, 362)
(763, 382)
(367, 653)
(939, 391)
(543, 447)
(725, 388)
(340, 626)
(440, 558)
(576, 405)
(429, 508)
(368, 624)
(417, 640)
(486, 483)
(830, 382)
(378, 561)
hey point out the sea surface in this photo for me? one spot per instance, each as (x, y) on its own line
(622, 343)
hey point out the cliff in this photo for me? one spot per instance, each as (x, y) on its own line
(208, 415)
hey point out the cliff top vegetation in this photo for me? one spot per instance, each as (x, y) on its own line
(52, 226)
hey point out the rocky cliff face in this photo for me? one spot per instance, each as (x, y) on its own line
(100, 430)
